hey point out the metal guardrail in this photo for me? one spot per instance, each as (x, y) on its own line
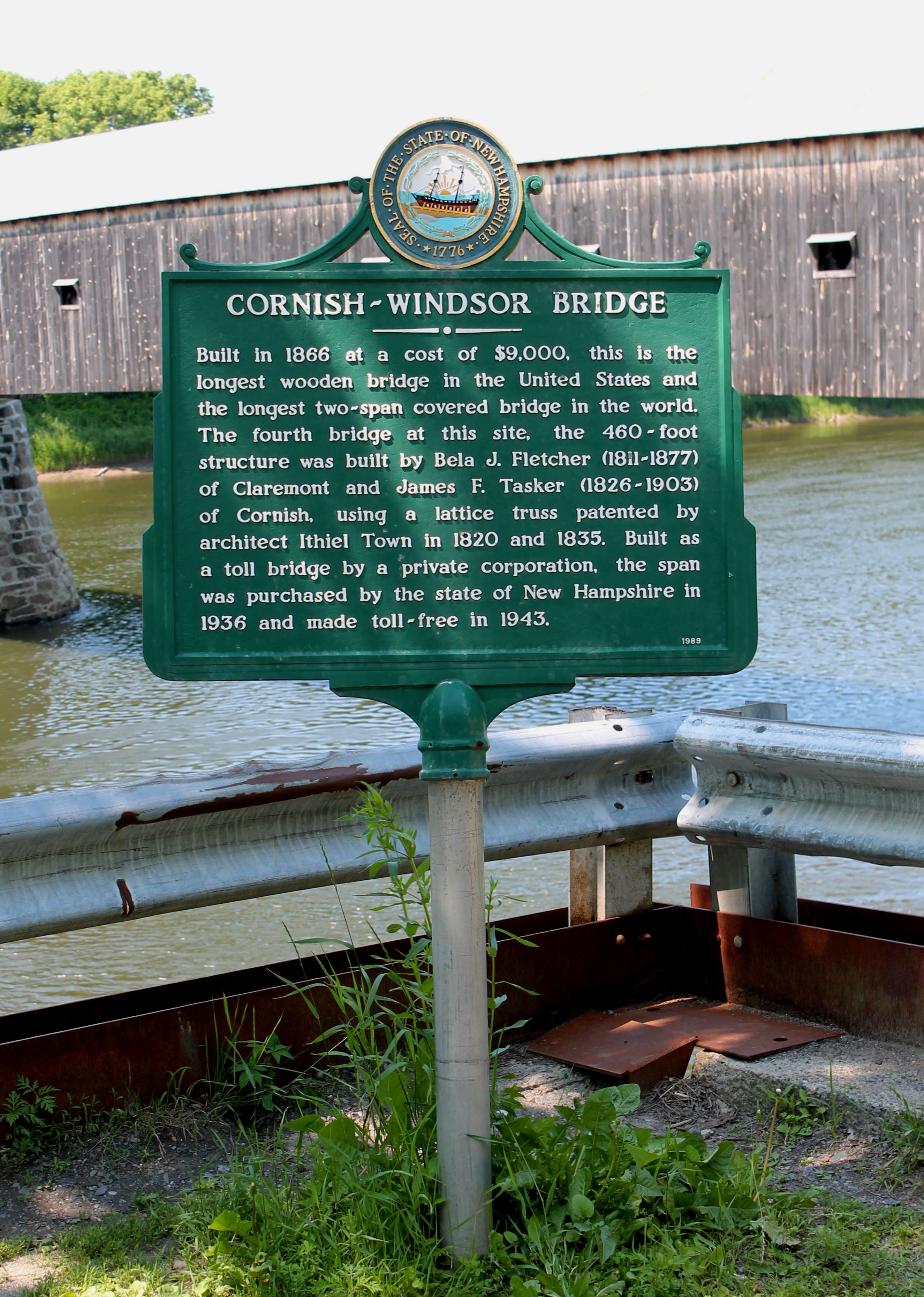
(811, 789)
(84, 857)
(601, 788)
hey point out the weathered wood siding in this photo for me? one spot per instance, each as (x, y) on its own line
(757, 205)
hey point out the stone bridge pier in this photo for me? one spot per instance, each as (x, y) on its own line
(35, 580)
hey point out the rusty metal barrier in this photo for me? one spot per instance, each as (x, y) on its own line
(767, 788)
(84, 857)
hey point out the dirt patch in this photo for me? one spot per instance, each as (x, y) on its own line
(20, 1276)
(89, 1178)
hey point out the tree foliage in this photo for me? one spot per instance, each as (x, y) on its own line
(85, 103)
(19, 107)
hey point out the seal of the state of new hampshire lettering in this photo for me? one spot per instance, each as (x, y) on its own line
(446, 193)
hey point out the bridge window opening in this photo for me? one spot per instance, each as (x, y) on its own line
(68, 291)
(834, 255)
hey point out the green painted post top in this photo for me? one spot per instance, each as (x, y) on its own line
(454, 478)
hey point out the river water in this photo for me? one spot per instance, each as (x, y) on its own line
(839, 527)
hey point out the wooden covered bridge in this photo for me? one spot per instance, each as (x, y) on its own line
(824, 236)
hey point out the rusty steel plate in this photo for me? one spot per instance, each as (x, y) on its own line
(729, 1029)
(623, 1050)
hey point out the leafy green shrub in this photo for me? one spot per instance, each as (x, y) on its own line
(581, 1192)
(71, 431)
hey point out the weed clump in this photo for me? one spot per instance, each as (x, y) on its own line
(905, 1134)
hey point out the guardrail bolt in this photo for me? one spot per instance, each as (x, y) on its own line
(732, 779)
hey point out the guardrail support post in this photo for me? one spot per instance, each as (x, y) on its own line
(624, 883)
(605, 882)
(757, 881)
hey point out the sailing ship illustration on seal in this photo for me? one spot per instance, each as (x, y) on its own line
(445, 193)
(445, 198)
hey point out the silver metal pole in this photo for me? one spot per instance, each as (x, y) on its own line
(463, 1108)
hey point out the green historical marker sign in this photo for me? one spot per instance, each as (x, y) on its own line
(389, 476)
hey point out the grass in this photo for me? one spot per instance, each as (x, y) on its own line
(97, 429)
(72, 431)
(276, 1226)
(905, 1133)
(132, 1238)
(843, 1249)
(12, 1247)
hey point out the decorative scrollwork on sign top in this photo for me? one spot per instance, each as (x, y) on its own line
(362, 223)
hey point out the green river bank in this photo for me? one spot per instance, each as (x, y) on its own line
(81, 431)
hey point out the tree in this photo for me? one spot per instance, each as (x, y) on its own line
(85, 103)
(19, 107)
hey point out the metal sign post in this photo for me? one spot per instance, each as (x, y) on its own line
(463, 1107)
(449, 482)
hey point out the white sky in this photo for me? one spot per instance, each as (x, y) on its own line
(577, 77)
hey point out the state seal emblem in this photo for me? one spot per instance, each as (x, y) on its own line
(446, 193)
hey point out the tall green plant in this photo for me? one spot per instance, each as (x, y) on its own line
(381, 1044)
(374, 1165)
(27, 1115)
